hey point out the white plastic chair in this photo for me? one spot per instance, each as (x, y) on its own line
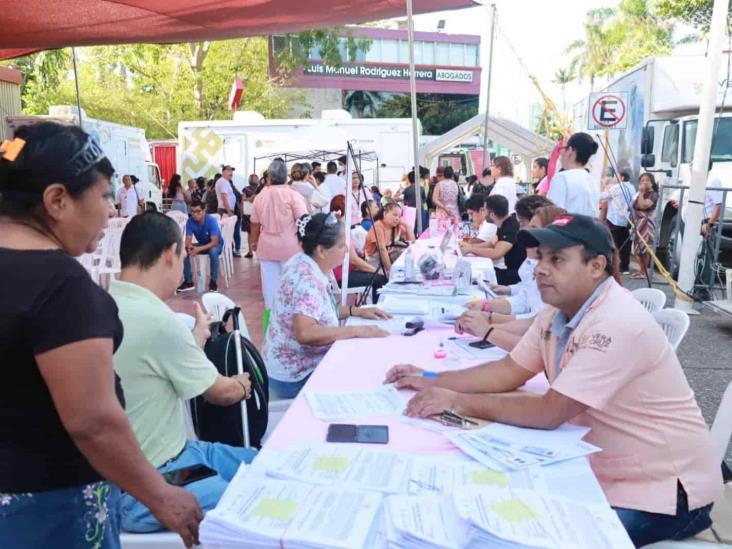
(651, 298)
(216, 304)
(228, 225)
(109, 261)
(675, 323)
(722, 426)
(180, 218)
(188, 320)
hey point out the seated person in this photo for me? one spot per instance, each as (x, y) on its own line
(386, 197)
(484, 230)
(506, 247)
(369, 209)
(304, 320)
(610, 368)
(388, 238)
(208, 241)
(160, 363)
(360, 272)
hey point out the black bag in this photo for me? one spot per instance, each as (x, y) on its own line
(224, 423)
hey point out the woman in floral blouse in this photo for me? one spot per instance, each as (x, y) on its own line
(305, 316)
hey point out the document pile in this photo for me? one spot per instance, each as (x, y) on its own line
(395, 325)
(350, 466)
(382, 401)
(511, 518)
(259, 512)
(428, 522)
(505, 448)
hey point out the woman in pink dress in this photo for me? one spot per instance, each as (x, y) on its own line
(445, 198)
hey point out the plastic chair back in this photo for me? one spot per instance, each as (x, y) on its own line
(652, 299)
(675, 323)
(187, 320)
(216, 304)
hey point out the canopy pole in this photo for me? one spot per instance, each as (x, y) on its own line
(488, 88)
(76, 82)
(415, 131)
(702, 150)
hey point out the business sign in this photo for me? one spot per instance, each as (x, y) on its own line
(608, 111)
(385, 72)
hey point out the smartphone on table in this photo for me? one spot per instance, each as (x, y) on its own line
(363, 434)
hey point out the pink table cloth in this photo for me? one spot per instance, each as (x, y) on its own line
(359, 364)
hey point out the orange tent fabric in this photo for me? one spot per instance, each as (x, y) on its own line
(29, 26)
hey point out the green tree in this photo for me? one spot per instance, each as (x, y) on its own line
(563, 77)
(697, 13)
(439, 113)
(361, 103)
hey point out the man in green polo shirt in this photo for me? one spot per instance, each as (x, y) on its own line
(161, 362)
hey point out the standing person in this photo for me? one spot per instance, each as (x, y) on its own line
(342, 166)
(539, 173)
(212, 203)
(209, 241)
(128, 201)
(65, 442)
(360, 194)
(619, 196)
(644, 218)
(191, 187)
(274, 229)
(505, 184)
(298, 175)
(228, 203)
(333, 184)
(445, 197)
(177, 194)
(199, 192)
(247, 205)
(484, 184)
(376, 193)
(316, 167)
(410, 199)
(573, 188)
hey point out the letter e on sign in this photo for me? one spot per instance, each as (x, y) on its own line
(608, 111)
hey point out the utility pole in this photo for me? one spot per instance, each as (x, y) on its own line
(702, 150)
(76, 81)
(415, 125)
(488, 87)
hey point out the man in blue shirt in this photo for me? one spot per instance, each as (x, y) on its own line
(208, 241)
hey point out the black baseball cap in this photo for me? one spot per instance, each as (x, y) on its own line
(232, 168)
(570, 230)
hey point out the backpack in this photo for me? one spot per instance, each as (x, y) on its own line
(223, 424)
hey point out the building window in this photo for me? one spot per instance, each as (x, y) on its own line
(443, 53)
(374, 53)
(471, 55)
(404, 52)
(389, 51)
(428, 53)
(457, 55)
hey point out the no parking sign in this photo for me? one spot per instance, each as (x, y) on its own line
(608, 111)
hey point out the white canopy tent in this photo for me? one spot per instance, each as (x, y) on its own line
(520, 140)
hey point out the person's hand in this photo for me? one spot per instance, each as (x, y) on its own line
(370, 331)
(475, 305)
(431, 401)
(193, 250)
(402, 370)
(178, 511)
(373, 313)
(246, 381)
(201, 330)
(500, 290)
(465, 247)
(473, 322)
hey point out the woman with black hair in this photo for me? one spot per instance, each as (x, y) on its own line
(644, 217)
(305, 316)
(573, 188)
(177, 194)
(539, 173)
(62, 427)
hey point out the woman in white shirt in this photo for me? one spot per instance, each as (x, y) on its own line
(573, 188)
(505, 185)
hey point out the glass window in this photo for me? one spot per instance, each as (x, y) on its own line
(428, 53)
(457, 55)
(443, 53)
(374, 53)
(670, 144)
(722, 148)
(403, 51)
(471, 55)
(315, 53)
(418, 53)
(389, 51)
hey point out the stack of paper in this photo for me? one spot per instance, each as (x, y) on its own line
(428, 522)
(510, 518)
(382, 401)
(505, 448)
(398, 305)
(257, 512)
(395, 325)
(339, 465)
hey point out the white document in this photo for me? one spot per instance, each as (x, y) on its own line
(424, 521)
(275, 513)
(342, 465)
(537, 520)
(382, 401)
(505, 447)
(398, 305)
(395, 325)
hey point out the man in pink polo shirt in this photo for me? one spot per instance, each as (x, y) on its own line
(610, 368)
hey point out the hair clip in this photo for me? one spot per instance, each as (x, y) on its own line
(302, 224)
(90, 154)
(11, 149)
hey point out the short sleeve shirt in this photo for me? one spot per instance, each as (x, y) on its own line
(159, 364)
(127, 200)
(277, 209)
(304, 290)
(204, 231)
(48, 301)
(223, 188)
(508, 232)
(487, 231)
(641, 410)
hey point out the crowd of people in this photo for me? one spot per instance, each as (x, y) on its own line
(90, 412)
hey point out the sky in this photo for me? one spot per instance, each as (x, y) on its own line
(538, 30)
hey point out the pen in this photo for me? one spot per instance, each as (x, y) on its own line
(429, 374)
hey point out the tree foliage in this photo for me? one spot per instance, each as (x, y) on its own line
(438, 113)
(697, 13)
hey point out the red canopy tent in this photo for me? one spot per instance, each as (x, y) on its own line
(29, 26)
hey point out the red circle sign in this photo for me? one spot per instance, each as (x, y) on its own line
(608, 110)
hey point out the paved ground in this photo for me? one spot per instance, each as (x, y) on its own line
(705, 352)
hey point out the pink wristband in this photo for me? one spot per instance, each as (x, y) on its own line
(486, 307)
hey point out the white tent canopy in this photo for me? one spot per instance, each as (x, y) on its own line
(504, 132)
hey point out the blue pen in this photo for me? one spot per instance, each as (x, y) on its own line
(429, 374)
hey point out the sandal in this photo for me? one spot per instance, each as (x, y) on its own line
(638, 276)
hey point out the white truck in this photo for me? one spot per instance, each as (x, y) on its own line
(205, 146)
(125, 146)
(663, 97)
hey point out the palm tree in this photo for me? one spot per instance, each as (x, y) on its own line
(563, 77)
(594, 53)
(362, 104)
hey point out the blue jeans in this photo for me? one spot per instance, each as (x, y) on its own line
(285, 389)
(82, 517)
(213, 254)
(644, 528)
(223, 459)
(237, 233)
